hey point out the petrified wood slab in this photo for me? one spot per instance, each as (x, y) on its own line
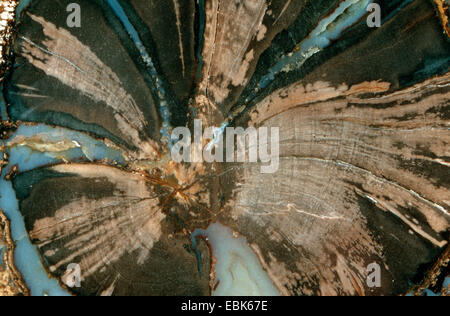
(364, 140)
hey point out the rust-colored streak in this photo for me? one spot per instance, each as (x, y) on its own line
(11, 282)
(443, 11)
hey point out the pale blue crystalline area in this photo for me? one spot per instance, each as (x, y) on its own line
(447, 284)
(238, 268)
(348, 13)
(89, 149)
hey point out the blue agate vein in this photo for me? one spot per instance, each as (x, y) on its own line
(21, 6)
(238, 269)
(329, 29)
(84, 148)
(26, 256)
(163, 103)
